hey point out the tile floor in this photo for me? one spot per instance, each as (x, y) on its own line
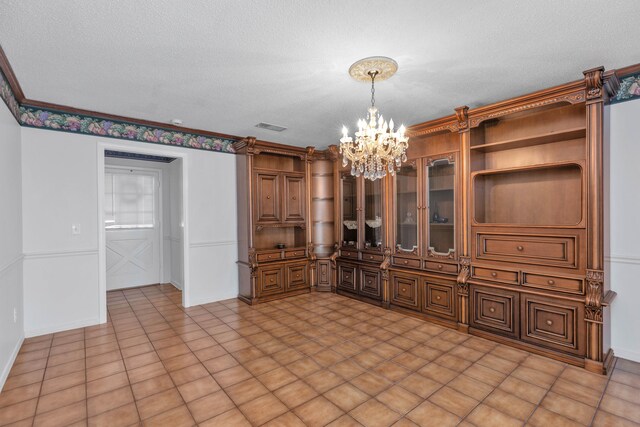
(318, 359)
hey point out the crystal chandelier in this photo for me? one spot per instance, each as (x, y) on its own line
(377, 148)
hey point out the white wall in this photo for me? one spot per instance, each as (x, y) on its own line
(11, 333)
(623, 266)
(60, 175)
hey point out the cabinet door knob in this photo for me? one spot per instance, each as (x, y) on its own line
(293, 198)
(551, 282)
(271, 280)
(268, 196)
(492, 310)
(406, 262)
(549, 322)
(404, 289)
(520, 248)
(494, 274)
(438, 297)
(368, 282)
(370, 256)
(439, 266)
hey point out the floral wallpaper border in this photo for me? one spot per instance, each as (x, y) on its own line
(76, 123)
(629, 88)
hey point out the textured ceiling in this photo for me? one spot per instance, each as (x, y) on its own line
(226, 65)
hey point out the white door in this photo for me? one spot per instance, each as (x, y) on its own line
(132, 223)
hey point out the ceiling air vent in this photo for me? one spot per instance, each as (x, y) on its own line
(269, 126)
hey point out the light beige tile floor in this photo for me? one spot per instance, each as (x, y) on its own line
(318, 359)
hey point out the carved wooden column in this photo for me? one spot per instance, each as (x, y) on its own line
(598, 90)
(464, 257)
(309, 228)
(337, 193)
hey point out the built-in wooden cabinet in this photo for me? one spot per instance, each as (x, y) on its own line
(494, 225)
(275, 252)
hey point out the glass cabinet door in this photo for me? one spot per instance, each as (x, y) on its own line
(349, 210)
(441, 202)
(373, 226)
(407, 209)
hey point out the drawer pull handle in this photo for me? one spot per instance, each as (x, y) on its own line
(406, 262)
(520, 248)
(271, 280)
(370, 256)
(492, 310)
(551, 282)
(293, 198)
(404, 289)
(439, 266)
(494, 274)
(368, 282)
(438, 297)
(549, 322)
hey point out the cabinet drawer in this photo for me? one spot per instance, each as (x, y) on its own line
(294, 253)
(561, 284)
(271, 281)
(495, 275)
(347, 278)
(439, 299)
(406, 262)
(404, 291)
(370, 283)
(494, 310)
(529, 249)
(349, 254)
(441, 267)
(372, 257)
(296, 276)
(553, 323)
(273, 256)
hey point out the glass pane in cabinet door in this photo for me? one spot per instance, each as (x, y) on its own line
(373, 226)
(407, 208)
(441, 199)
(349, 211)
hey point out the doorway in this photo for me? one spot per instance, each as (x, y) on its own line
(133, 224)
(142, 220)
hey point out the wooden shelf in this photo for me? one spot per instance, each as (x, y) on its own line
(546, 138)
(440, 224)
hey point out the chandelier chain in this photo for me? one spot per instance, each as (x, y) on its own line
(373, 75)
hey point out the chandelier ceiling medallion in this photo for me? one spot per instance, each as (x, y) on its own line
(378, 149)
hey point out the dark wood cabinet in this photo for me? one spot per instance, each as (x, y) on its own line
(495, 310)
(439, 298)
(267, 197)
(370, 282)
(347, 278)
(294, 198)
(405, 289)
(272, 182)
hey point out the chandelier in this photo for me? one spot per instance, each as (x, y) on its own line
(377, 148)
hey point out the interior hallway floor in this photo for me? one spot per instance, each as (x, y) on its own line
(317, 359)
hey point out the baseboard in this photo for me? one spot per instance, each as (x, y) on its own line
(203, 301)
(622, 353)
(7, 368)
(176, 285)
(28, 333)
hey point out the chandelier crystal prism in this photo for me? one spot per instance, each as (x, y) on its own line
(378, 148)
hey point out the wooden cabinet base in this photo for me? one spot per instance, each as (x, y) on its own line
(359, 297)
(254, 301)
(604, 368)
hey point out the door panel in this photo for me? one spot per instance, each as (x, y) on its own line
(370, 283)
(267, 193)
(132, 228)
(495, 310)
(439, 299)
(404, 291)
(294, 198)
(347, 278)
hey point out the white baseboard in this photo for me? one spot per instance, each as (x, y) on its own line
(176, 285)
(63, 327)
(7, 368)
(634, 356)
(203, 301)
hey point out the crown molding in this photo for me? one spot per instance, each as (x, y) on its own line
(62, 118)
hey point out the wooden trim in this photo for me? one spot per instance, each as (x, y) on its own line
(630, 69)
(7, 70)
(72, 110)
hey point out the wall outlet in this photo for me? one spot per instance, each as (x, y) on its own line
(15, 315)
(75, 229)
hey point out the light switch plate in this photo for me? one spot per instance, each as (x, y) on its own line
(75, 229)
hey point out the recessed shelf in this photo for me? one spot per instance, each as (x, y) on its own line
(545, 138)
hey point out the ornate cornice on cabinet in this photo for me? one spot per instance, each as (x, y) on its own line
(462, 114)
(448, 123)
